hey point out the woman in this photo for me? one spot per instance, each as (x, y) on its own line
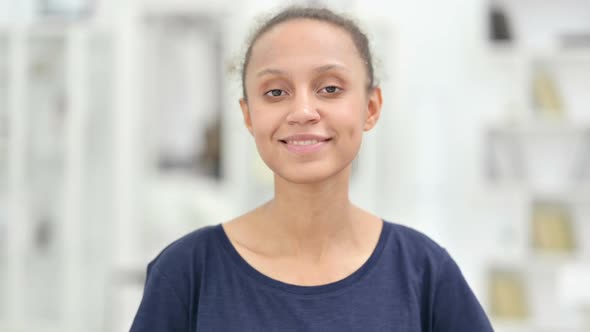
(308, 260)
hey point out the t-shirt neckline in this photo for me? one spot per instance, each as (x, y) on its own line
(335, 286)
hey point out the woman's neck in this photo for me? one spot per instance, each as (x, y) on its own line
(308, 219)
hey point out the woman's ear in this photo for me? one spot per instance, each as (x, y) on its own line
(373, 108)
(246, 114)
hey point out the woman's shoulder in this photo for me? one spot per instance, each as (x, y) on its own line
(414, 243)
(190, 249)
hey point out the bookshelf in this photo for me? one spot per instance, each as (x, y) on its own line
(541, 149)
(47, 250)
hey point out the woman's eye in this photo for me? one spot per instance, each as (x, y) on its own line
(331, 89)
(275, 93)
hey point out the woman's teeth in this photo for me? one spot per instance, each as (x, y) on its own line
(310, 142)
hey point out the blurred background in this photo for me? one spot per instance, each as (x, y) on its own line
(120, 131)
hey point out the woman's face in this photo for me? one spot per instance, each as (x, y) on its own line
(308, 103)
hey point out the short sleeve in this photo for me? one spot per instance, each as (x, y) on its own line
(456, 309)
(161, 308)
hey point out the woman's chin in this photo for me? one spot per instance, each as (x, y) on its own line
(303, 179)
(311, 175)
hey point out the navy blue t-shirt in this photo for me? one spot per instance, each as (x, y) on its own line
(408, 284)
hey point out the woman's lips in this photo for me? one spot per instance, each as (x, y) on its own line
(304, 143)
(305, 148)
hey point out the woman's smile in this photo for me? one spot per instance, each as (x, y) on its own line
(305, 143)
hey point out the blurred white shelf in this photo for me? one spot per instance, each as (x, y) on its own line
(187, 7)
(529, 326)
(508, 326)
(565, 55)
(539, 127)
(548, 154)
(574, 284)
(502, 325)
(32, 326)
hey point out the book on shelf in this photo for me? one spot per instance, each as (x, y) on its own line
(546, 96)
(507, 294)
(551, 228)
(500, 29)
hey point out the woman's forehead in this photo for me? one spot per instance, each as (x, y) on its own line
(304, 42)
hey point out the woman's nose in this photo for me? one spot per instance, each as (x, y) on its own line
(303, 110)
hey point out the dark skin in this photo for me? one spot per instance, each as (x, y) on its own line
(306, 77)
